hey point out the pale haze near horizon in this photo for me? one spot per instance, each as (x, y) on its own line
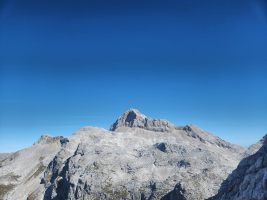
(64, 66)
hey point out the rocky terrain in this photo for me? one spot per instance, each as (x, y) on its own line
(21, 171)
(249, 180)
(138, 158)
(255, 147)
(4, 156)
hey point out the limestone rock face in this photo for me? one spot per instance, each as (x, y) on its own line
(139, 158)
(133, 118)
(249, 180)
(21, 172)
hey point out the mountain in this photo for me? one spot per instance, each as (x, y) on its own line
(20, 172)
(249, 180)
(138, 158)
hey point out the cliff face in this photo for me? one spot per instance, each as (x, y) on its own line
(134, 119)
(139, 158)
(249, 180)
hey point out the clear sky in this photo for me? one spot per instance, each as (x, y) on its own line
(67, 64)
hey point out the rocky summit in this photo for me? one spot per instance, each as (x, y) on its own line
(139, 158)
(134, 119)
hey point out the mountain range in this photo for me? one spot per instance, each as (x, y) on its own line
(138, 158)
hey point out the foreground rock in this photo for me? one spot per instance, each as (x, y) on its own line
(249, 180)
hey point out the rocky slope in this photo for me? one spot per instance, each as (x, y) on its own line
(138, 158)
(255, 147)
(21, 171)
(3, 156)
(249, 180)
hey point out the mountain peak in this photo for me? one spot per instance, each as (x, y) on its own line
(134, 118)
(132, 114)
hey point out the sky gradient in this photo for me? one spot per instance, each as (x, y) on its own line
(68, 64)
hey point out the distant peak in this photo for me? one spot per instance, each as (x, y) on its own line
(133, 118)
(44, 139)
(47, 139)
(132, 114)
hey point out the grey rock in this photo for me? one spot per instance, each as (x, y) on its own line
(134, 118)
(47, 139)
(3, 156)
(255, 147)
(178, 193)
(249, 180)
(139, 158)
(24, 169)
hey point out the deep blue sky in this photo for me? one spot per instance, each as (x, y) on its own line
(67, 64)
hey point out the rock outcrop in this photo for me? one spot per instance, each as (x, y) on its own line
(249, 180)
(47, 139)
(135, 119)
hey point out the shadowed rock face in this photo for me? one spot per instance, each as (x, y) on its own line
(249, 180)
(178, 193)
(140, 158)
